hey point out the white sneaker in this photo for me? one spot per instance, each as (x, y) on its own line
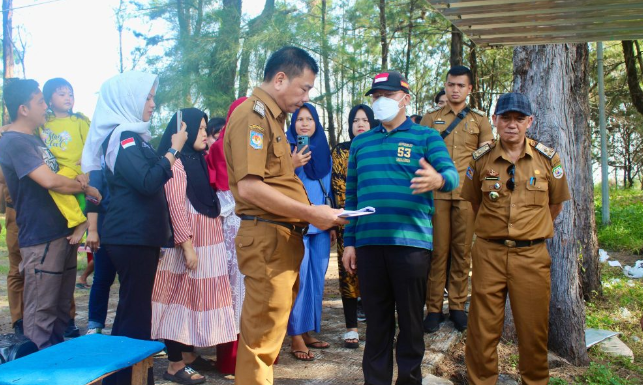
(94, 331)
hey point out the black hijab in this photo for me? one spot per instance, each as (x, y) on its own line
(351, 116)
(201, 195)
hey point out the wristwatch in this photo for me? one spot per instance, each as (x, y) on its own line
(175, 153)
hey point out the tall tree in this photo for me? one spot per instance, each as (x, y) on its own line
(383, 34)
(560, 122)
(636, 93)
(325, 52)
(7, 49)
(457, 48)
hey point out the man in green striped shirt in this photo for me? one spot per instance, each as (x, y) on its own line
(394, 168)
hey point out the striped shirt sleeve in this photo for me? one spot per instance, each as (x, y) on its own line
(350, 202)
(175, 192)
(438, 156)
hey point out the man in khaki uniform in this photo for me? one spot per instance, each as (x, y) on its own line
(516, 188)
(463, 129)
(274, 209)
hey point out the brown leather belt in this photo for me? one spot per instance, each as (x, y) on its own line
(512, 243)
(297, 229)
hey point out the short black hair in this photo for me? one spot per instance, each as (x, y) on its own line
(438, 95)
(459, 71)
(52, 85)
(416, 118)
(19, 92)
(290, 60)
(215, 125)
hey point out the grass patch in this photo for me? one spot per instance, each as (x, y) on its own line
(625, 233)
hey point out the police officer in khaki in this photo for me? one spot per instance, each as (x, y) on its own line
(517, 188)
(273, 207)
(463, 129)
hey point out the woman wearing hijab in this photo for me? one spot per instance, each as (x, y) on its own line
(191, 303)
(360, 120)
(137, 222)
(227, 353)
(315, 175)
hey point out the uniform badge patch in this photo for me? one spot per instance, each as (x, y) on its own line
(481, 151)
(548, 152)
(259, 108)
(255, 127)
(439, 122)
(127, 142)
(558, 171)
(470, 172)
(256, 140)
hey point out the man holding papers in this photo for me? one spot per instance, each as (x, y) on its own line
(393, 168)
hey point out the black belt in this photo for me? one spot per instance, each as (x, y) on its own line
(512, 243)
(298, 229)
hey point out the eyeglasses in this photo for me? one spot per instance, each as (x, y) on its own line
(511, 183)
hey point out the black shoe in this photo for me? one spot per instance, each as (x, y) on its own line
(459, 319)
(18, 329)
(432, 322)
(72, 330)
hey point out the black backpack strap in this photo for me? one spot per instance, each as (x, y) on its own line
(458, 118)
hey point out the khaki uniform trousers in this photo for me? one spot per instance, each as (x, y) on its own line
(524, 274)
(452, 236)
(269, 256)
(15, 280)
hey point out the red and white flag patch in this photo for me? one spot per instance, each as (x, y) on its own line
(381, 77)
(127, 142)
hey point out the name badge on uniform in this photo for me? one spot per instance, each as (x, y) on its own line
(256, 140)
(438, 122)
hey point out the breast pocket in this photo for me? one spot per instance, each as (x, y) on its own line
(279, 157)
(472, 133)
(537, 194)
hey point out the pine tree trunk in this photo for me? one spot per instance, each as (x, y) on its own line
(555, 78)
(7, 49)
(326, 68)
(456, 47)
(383, 39)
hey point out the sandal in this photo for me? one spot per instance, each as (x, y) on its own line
(203, 364)
(349, 338)
(308, 357)
(318, 345)
(184, 376)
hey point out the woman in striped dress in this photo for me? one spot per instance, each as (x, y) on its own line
(192, 302)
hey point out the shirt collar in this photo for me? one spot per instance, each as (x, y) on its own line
(405, 126)
(499, 152)
(269, 101)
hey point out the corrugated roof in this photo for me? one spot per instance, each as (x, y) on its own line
(526, 22)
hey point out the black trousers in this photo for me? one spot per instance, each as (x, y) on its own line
(393, 277)
(136, 268)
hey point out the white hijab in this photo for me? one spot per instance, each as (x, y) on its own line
(120, 106)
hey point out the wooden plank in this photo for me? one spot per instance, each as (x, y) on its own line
(463, 4)
(525, 40)
(139, 371)
(578, 19)
(535, 9)
(556, 31)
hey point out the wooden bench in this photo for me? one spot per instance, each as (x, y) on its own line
(83, 360)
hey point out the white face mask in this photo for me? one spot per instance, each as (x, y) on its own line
(386, 109)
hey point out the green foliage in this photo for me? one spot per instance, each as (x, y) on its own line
(625, 232)
(599, 374)
(557, 381)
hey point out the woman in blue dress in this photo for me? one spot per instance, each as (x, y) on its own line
(315, 174)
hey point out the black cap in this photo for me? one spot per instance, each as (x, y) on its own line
(389, 81)
(513, 101)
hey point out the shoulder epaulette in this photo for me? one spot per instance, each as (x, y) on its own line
(434, 109)
(477, 112)
(548, 152)
(477, 154)
(259, 108)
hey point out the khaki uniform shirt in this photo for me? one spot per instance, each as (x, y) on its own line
(465, 138)
(255, 144)
(522, 214)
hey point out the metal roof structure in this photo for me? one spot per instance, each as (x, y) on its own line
(529, 22)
